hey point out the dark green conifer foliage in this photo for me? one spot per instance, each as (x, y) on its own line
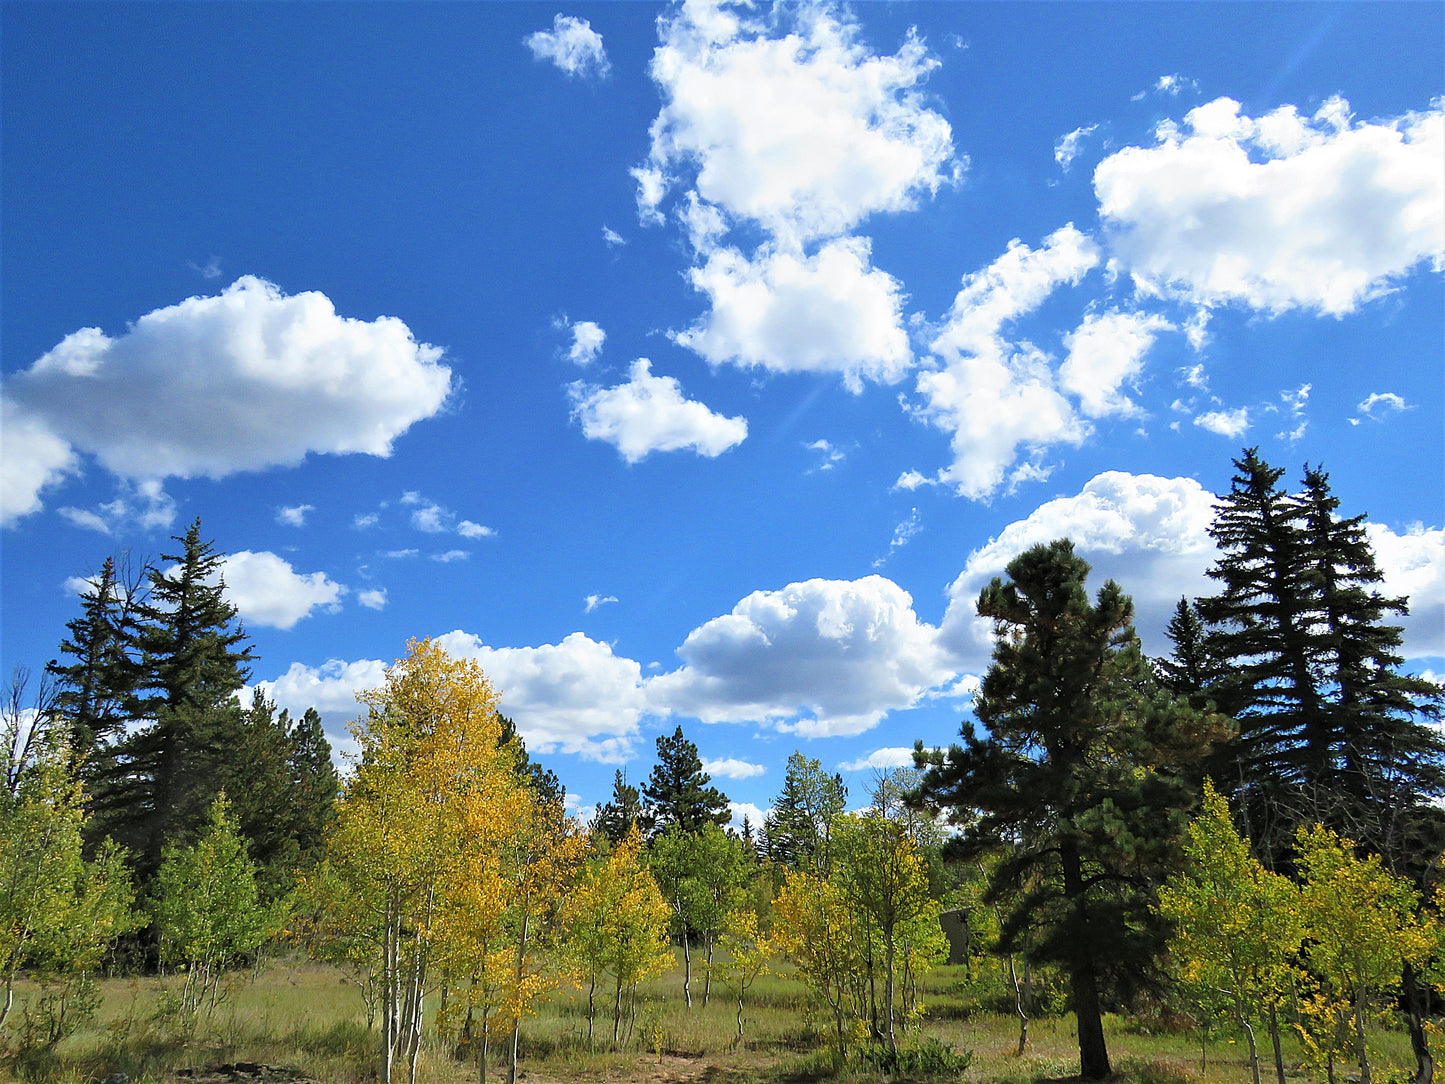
(615, 818)
(1190, 669)
(1083, 780)
(193, 661)
(677, 791)
(314, 786)
(544, 782)
(90, 693)
(1308, 664)
(799, 827)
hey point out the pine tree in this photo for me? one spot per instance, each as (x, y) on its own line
(615, 818)
(1084, 772)
(544, 782)
(193, 662)
(677, 792)
(1190, 670)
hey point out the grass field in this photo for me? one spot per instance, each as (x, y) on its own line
(310, 1018)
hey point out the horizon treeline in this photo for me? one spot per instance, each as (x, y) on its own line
(1081, 829)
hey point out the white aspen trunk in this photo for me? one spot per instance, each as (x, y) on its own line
(686, 968)
(517, 1021)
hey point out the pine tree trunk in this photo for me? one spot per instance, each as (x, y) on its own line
(1093, 1051)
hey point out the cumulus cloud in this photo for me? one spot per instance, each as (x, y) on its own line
(1106, 353)
(994, 397)
(1226, 423)
(649, 414)
(587, 340)
(821, 657)
(881, 759)
(330, 688)
(267, 591)
(572, 45)
(594, 601)
(33, 456)
(373, 598)
(754, 815)
(1413, 564)
(1379, 405)
(1148, 533)
(831, 312)
(143, 505)
(249, 379)
(573, 697)
(1280, 212)
(294, 515)
(786, 119)
(432, 518)
(732, 768)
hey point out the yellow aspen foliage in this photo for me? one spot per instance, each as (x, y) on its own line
(616, 926)
(400, 852)
(747, 954)
(1236, 925)
(1362, 923)
(814, 926)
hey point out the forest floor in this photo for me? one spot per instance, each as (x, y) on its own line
(302, 1023)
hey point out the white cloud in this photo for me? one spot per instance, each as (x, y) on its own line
(911, 480)
(594, 601)
(1068, 147)
(295, 515)
(1172, 85)
(362, 522)
(587, 340)
(830, 456)
(789, 121)
(1280, 212)
(446, 557)
(402, 553)
(1413, 564)
(373, 598)
(649, 414)
(994, 397)
(892, 757)
(732, 768)
(755, 815)
(572, 697)
(33, 457)
(1379, 405)
(611, 238)
(902, 535)
(330, 688)
(830, 312)
(1107, 352)
(248, 379)
(267, 591)
(817, 658)
(432, 518)
(143, 505)
(1148, 533)
(1226, 423)
(572, 45)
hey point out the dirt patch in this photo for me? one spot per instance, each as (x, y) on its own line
(244, 1072)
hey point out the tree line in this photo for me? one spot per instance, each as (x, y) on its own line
(1199, 829)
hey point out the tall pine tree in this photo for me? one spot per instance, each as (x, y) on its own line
(1083, 781)
(677, 791)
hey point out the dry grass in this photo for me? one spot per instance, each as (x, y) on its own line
(310, 1017)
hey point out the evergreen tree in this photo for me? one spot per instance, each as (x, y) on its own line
(1307, 663)
(1083, 775)
(616, 818)
(314, 786)
(544, 782)
(799, 827)
(193, 661)
(1190, 670)
(90, 693)
(677, 792)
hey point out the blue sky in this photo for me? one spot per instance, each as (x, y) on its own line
(697, 365)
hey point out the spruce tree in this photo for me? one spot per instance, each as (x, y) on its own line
(90, 693)
(1083, 781)
(615, 818)
(677, 792)
(799, 826)
(193, 661)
